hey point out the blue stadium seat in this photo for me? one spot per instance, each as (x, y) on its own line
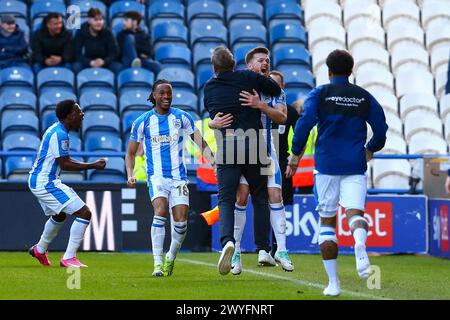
(205, 10)
(134, 78)
(174, 56)
(286, 33)
(178, 77)
(18, 99)
(203, 74)
(169, 31)
(17, 168)
(185, 100)
(16, 8)
(19, 120)
(98, 100)
(283, 10)
(100, 121)
(118, 8)
(166, 9)
(240, 51)
(23, 25)
(202, 52)
(49, 99)
(244, 10)
(203, 30)
(21, 141)
(94, 78)
(75, 143)
(294, 54)
(201, 105)
(86, 5)
(247, 31)
(62, 78)
(102, 141)
(297, 78)
(127, 121)
(114, 171)
(48, 118)
(294, 94)
(17, 77)
(41, 8)
(134, 100)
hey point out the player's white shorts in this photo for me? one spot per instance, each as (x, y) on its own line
(274, 180)
(348, 191)
(176, 191)
(57, 198)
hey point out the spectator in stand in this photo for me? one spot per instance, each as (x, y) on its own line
(52, 45)
(135, 44)
(13, 46)
(95, 46)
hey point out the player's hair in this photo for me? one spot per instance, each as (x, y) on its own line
(94, 12)
(340, 62)
(222, 59)
(64, 108)
(133, 15)
(277, 73)
(251, 53)
(155, 84)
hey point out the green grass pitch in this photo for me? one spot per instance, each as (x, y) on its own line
(128, 276)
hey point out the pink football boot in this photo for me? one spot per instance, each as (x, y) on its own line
(41, 257)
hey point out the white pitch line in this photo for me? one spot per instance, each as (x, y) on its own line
(297, 281)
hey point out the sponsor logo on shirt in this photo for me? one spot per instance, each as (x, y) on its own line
(345, 101)
(162, 139)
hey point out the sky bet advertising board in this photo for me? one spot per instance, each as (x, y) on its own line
(397, 224)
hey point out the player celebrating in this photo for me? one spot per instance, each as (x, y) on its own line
(272, 109)
(56, 199)
(162, 131)
(341, 110)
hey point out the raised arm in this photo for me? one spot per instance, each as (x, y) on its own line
(69, 164)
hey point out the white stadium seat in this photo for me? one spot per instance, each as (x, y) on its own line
(422, 121)
(373, 79)
(368, 2)
(391, 173)
(321, 52)
(306, 3)
(435, 12)
(409, 55)
(325, 12)
(424, 143)
(360, 31)
(402, 10)
(438, 35)
(399, 32)
(394, 123)
(395, 144)
(322, 75)
(368, 53)
(441, 81)
(444, 105)
(447, 127)
(414, 81)
(332, 34)
(383, 2)
(388, 101)
(440, 59)
(361, 10)
(418, 101)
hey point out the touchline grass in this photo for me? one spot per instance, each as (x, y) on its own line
(128, 276)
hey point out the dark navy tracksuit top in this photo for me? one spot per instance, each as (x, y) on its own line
(341, 110)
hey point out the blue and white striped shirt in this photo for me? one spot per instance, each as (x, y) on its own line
(55, 144)
(162, 137)
(266, 121)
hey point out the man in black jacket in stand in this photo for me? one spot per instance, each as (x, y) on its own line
(52, 44)
(241, 149)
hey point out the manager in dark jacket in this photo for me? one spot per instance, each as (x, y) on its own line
(95, 45)
(240, 149)
(52, 44)
(135, 44)
(13, 46)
